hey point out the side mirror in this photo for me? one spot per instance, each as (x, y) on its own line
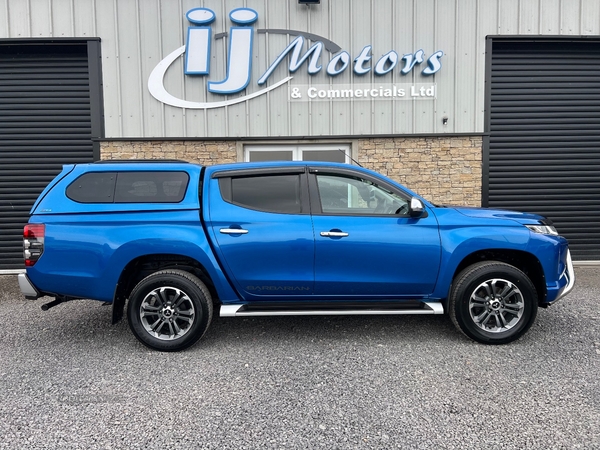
(416, 207)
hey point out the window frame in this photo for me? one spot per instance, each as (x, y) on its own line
(315, 197)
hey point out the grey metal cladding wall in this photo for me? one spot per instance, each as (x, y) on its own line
(137, 34)
(45, 122)
(544, 150)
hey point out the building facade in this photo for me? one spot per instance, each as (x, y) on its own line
(477, 102)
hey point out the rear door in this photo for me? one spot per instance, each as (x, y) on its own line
(260, 220)
(366, 244)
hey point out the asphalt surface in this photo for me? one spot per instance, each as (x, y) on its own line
(69, 379)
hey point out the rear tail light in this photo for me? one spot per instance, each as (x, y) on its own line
(33, 242)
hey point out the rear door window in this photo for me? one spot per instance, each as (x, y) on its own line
(269, 193)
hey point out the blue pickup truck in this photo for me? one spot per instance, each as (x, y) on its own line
(179, 242)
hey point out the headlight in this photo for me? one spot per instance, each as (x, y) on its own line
(543, 229)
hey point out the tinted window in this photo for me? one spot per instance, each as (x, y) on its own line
(324, 155)
(95, 187)
(129, 187)
(151, 187)
(276, 193)
(357, 196)
(273, 155)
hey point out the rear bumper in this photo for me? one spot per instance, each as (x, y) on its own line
(27, 288)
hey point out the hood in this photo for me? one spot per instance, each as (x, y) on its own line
(486, 213)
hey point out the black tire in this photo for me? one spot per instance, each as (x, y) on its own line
(169, 310)
(493, 303)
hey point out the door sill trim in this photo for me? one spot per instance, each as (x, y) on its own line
(241, 310)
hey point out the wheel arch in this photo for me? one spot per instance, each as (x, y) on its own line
(526, 262)
(142, 266)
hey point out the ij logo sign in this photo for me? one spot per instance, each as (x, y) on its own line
(241, 35)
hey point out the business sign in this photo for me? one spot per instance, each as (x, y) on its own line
(361, 91)
(197, 52)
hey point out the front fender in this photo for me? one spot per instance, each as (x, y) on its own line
(460, 242)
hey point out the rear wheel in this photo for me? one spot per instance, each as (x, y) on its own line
(169, 310)
(493, 302)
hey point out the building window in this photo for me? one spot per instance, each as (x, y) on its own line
(330, 152)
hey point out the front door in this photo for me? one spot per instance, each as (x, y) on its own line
(366, 244)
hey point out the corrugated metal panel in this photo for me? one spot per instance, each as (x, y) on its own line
(544, 150)
(45, 122)
(590, 17)
(129, 48)
(424, 110)
(137, 34)
(508, 18)
(464, 62)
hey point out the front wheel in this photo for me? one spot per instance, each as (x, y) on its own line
(493, 302)
(169, 310)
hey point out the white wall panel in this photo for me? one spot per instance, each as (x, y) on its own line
(40, 15)
(137, 34)
(360, 25)
(550, 16)
(172, 36)
(487, 20)
(382, 113)
(84, 16)
(508, 16)
(570, 15)
(425, 19)
(279, 114)
(590, 17)
(63, 21)
(150, 14)
(404, 42)
(320, 112)
(446, 38)
(106, 27)
(4, 19)
(529, 17)
(129, 44)
(257, 123)
(465, 46)
(299, 112)
(341, 32)
(19, 22)
(194, 86)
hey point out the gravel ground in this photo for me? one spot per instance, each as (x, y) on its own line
(69, 379)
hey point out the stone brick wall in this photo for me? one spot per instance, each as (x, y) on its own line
(443, 170)
(200, 152)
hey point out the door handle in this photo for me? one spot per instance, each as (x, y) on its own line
(334, 234)
(233, 231)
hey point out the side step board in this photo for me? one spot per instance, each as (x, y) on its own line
(243, 311)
